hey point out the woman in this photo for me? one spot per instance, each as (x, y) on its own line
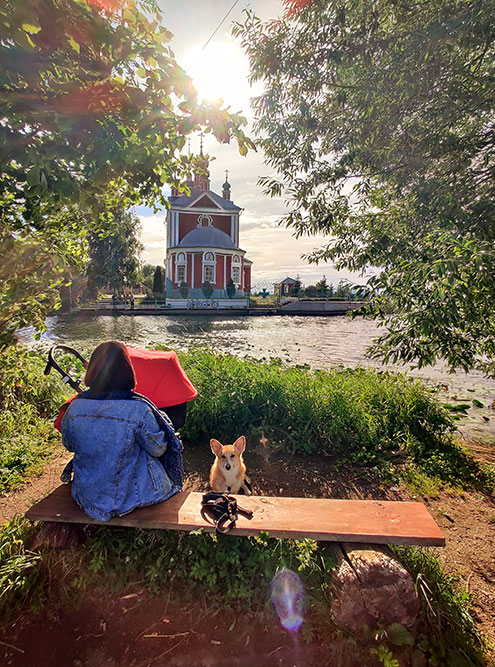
(126, 454)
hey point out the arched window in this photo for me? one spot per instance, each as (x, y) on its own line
(209, 267)
(180, 268)
(236, 259)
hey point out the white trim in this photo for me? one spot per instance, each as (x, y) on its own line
(192, 270)
(225, 271)
(203, 193)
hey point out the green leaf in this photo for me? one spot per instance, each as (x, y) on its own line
(74, 44)
(399, 635)
(30, 28)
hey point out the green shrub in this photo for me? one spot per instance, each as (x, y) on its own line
(364, 415)
(452, 638)
(26, 441)
(19, 568)
(22, 381)
(233, 572)
(29, 401)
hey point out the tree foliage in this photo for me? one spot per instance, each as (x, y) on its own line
(93, 106)
(114, 259)
(207, 289)
(231, 289)
(184, 289)
(379, 119)
(158, 281)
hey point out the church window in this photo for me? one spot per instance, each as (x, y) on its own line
(209, 273)
(236, 274)
(236, 259)
(180, 268)
(209, 257)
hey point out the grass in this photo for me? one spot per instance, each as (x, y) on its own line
(19, 568)
(28, 403)
(230, 575)
(450, 636)
(378, 419)
(370, 417)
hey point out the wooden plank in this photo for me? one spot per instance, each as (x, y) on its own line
(375, 521)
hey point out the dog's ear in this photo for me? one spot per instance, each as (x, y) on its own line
(240, 444)
(216, 447)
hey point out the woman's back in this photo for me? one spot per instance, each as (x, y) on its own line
(117, 437)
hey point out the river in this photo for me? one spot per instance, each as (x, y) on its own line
(321, 342)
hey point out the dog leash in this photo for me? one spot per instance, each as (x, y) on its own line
(223, 509)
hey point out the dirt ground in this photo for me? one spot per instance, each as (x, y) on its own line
(107, 633)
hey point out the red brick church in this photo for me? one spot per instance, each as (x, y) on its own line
(203, 245)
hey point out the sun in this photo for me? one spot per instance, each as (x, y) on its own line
(220, 71)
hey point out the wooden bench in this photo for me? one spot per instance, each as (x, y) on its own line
(362, 521)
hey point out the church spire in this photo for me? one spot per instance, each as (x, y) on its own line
(226, 186)
(202, 176)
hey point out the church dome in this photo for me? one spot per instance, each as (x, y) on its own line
(207, 237)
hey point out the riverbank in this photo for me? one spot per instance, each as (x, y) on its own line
(293, 308)
(320, 342)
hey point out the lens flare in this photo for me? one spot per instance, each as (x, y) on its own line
(287, 594)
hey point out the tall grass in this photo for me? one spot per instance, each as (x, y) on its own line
(452, 638)
(364, 415)
(28, 403)
(372, 417)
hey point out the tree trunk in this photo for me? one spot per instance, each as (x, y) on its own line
(370, 587)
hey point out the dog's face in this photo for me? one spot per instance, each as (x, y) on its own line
(228, 456)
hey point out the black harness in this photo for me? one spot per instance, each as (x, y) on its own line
(223, 510)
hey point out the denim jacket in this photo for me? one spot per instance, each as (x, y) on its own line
(116, 439)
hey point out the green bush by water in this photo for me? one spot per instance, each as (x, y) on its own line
(363, 415)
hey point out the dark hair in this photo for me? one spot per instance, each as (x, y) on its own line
(110, 368)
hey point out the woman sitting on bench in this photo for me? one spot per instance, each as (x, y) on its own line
(126, 454)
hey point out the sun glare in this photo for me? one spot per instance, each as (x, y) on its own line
(220, 71)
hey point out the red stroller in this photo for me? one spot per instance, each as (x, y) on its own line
(159, 375)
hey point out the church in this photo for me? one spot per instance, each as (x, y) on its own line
(203, 247)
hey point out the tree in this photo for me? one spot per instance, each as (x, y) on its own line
(343, 290)
(114, 258)
(93, 106)
(378, 118)
(146, 275)
(184, 289)
(231, 289)
(311, 291)
(296, 288)
(322, 287)
(207, 289)
(158, 281)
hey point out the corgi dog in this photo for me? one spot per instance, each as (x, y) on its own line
(228, 472)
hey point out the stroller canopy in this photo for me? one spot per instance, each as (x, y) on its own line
(160, 378)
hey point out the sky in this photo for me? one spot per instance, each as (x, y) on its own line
(221, 70)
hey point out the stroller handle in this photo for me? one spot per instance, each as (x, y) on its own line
(52, 363)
